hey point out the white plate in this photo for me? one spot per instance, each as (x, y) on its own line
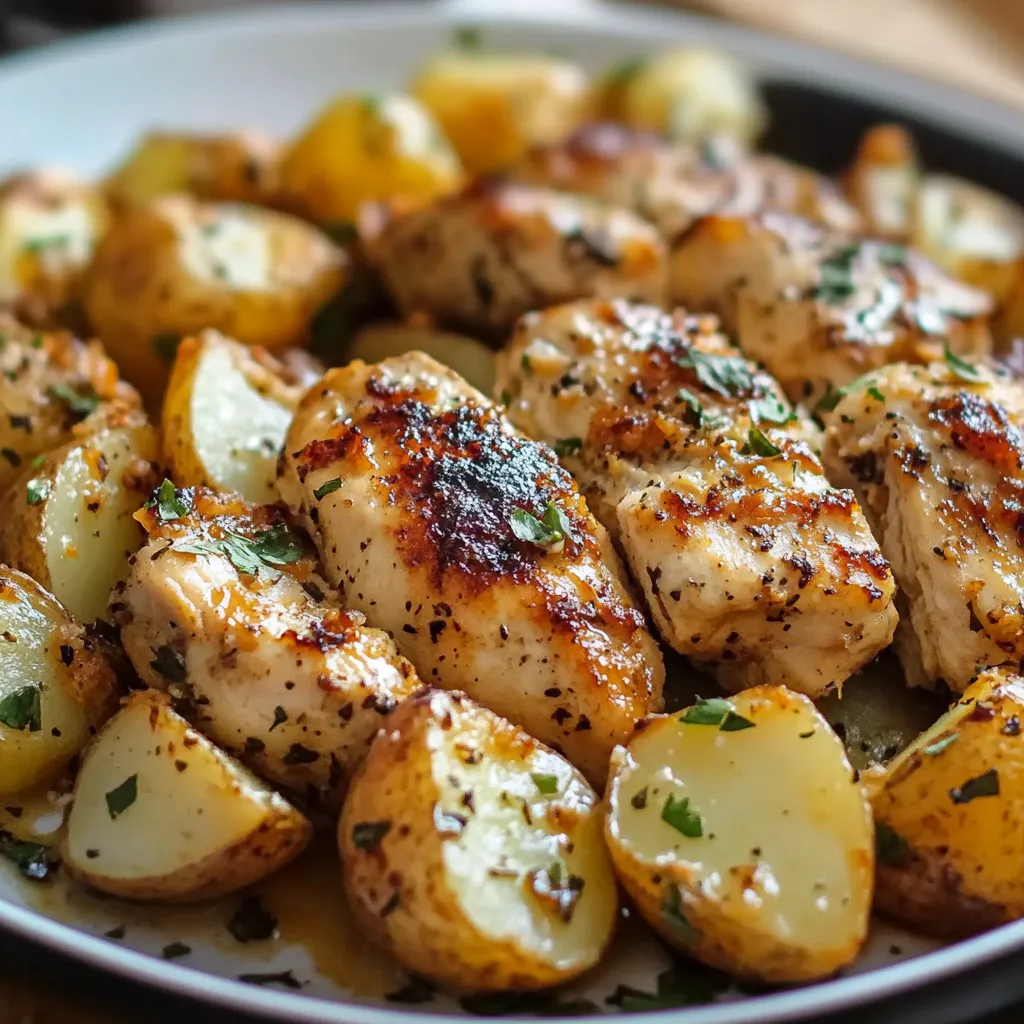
(82, 104)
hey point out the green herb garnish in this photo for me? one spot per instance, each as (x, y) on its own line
(961, 368)
(169, 663)
(761, 445)
(873, 392)
(567, 446)
(672, 910)
(546, 784)
(165, 346)
(170, 503)
(836, 281)
(682, 817)
(20, 709)
(547, 532)
(716, 711)
(81, 401)
(268, 549)
(33, 860)
(986, 784)
(727, 376)
(367, 835)
(120, 798)
(890, 847)
(468, 37)
(37, 490)
(327, 487)
(940, 745)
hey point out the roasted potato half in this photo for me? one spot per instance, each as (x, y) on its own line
(160, 813)
(739, 832)
(225, 415)
(67, 521)
(684, 94)
(239, 168)
(473, 853)
(49, 224)
(494, 106)
(176, 266)
(949, 815)
(55, 688)
(53, 389)
(364, 148)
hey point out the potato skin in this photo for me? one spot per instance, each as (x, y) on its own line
(365, 148)
(951, 867)
(399, 887)
(177, 266)
(280, 836)
(494, 106)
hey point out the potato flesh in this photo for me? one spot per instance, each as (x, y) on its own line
(33, 657)
(786, 840)
(237, 432)
(87, 550)
(188, 793)
(499, 836)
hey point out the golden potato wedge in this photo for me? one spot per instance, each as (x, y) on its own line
(160, 813)
(468, 357)
(363, 148)
(686, 94)
(949, 814)
(53, 389)
(49, 224)
(177, 266)
(225, 415)
(473, 853)
(239, 168)
(494, 106)
(68, 520)
(739, 832)
(55, 688)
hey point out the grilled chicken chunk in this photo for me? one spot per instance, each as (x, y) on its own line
(474, 549)
(224, 606)
(674, 184)
(479, 259)
(751, 563)
(936, 454)
(819, 309)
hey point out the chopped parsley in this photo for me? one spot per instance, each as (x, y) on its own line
(546, 784)
(285, 978)
(327, 487)
(961, 368)
(81, 401)
(165, 345)
(169, 663)
(468, 37)
(771, 409)
(33, 860)
(37, 490)
(525, 365)
(873, 392)
(940, 745)
(547, 532)
(694, 408)
(270, 548)
(679, 986)
(673, 912)
(567, 445)
(890, 847)
(252, 922)
(175, 949)
(120, 798)
(20, 709)
(170, 503)
(986, 784)
(685, 820)
(367, 835)
(506, 398)
(836, 281)
(716, 711)
(761, 444)
(727, 376)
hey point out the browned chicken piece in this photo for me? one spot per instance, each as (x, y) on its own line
(819, 309)
(479, 259)
(674, 184)
(474, 549)
(751, 562)
(936, 455)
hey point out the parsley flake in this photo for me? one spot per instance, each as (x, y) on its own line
(873, 392)
(546, 784)
(120, 798)
(81, 401)
(835, 283)
(567, 446)
(940, 745)
(367, 835)
(727, 376)
(761, 444)
(327, 487)
(716, 711)
(37, 490)
(33, 860)
(549, 531)
(986, 784)
(468, 37)
(165, 346)
(672, 910)
(679, 814)
(20, 709)
(269, 548)
(169, 502)
(169, 663)
(890, 847)
(961, 368)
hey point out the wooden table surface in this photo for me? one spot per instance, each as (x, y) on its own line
(976, 44)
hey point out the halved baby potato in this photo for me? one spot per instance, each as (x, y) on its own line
(950, 816)
(176, 266)
(468, 357)
(238, 167)
(363, 148)
(494, 106)
(225, 415)
(55, 688)
(68, 520)
(160, 813)
(739, 832)
(474, 854)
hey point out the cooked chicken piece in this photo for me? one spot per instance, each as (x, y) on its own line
(751, 563)
(674, 184)
(936, 454)
(974, 234)
(479, 259)
(819, 309)
(224, 607)
(53, 389)
(473, 547)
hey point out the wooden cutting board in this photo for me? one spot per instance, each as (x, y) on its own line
(975, 44)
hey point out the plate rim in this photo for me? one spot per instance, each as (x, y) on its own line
(970, 115)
